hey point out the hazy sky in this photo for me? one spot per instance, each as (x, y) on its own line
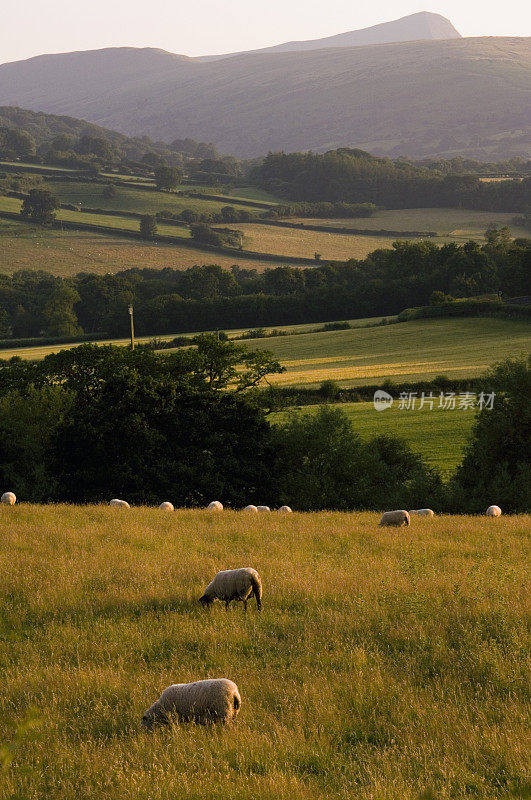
(203, 27)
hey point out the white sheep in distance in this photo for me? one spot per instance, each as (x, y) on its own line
(215, 505)
(166, 506)
(9, 498)
(422, 512)
(395, 518)
(285, 509)
(212, 701)
(251, 508)
(263, 509)
(119, 503)
(493, 511)
(234, 584)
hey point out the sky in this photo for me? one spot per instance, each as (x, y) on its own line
(205, 27)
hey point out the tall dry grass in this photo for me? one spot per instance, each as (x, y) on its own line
(386, 664)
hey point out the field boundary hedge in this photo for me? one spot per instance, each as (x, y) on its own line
(468, 308)
(344, 230)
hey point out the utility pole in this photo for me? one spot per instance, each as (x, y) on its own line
(132, 328)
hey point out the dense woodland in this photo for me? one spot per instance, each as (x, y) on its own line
(354, 176)
(36, 304)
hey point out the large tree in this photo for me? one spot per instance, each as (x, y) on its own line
(167, 177)
(40, 206)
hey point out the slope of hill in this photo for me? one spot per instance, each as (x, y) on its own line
(414, 27)
(461, 96)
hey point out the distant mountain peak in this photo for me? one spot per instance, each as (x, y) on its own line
(422, 26)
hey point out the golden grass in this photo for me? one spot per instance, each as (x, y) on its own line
(386, 663)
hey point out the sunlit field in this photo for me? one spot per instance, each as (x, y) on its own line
(387, 664)
(418, 350)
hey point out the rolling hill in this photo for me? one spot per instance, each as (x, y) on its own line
(459, 96)
(414, 27)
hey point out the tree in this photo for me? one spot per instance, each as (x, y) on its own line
(167, 177)
(497, 463)
(58, 314)
(17, 141)
(109, 191)
(148, 226)
(224, 363)
(40, 206)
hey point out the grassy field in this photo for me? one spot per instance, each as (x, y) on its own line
(438, 435)
(385, 665)
(452, 224)
(25, 246)
(143, 202)
(293, 242)
(418, 350)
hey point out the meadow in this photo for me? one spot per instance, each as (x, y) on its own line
(409, 351)
(385, 665)
(451, 224)
(64, 253)
(439, 435)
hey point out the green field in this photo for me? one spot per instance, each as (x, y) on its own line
(385, 665)
(144, 202)
(452, 224)
(438, 435)
(411, 351)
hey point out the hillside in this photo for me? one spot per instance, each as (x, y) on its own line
(414, 27)
(461, 96)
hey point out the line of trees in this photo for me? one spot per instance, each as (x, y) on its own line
(354, 176)
(209, 297)
(91, 423)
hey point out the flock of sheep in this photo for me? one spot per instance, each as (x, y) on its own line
(218, 700)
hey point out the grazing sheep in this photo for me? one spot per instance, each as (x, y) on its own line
(215, 506)
(493, 511)
(423, 512)
(263, 508)
(119, 503)
(285, 509)
(234, 584)
(251, 508)
(9, 498)
(395, 518)
(166, 506)
(203, 702)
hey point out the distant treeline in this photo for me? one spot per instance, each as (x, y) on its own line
(353, 176)
(36, 304)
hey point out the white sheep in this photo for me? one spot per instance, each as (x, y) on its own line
(263, 508)
(422, 512)
(119, 503)
(234, 584)
(251, 508)
(9, 498)
(493, 511)
(216, 700)
(215, 506)
(395, 518)
(285, 509)
(166, 506)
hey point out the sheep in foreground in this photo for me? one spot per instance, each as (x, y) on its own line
(493, 511)
(166, 506)
(217, 700)
(263, 508)
(422, 512)
(234, 584)
(285, 509)
(119, 503)
(9, 498)
(215, 506)
(251, 508)
(395, 518)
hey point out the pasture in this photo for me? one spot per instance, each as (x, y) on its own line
(451, 224)
(439, 435)
(64, 253)
(409, 351)
(385, 665)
